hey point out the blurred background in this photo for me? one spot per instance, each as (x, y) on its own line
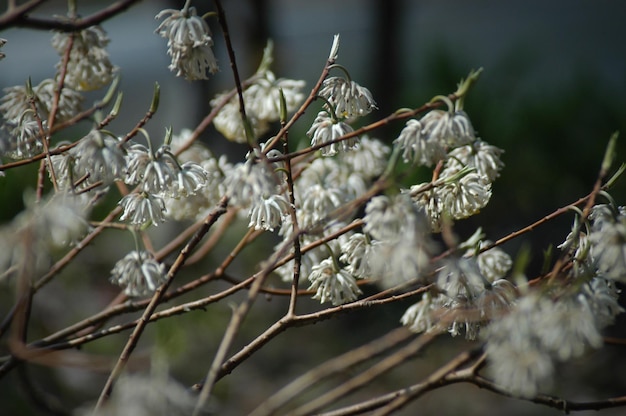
(552, 92)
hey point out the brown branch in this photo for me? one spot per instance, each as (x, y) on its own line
(333, 366)
(156, 298)
(19, 17)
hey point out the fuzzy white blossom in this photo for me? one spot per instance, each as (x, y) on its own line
(138, 273)
(248, 182)
(100, 156)
(142, 208)
(147, 395)
(368, 159)
(16, 101)
(417, 147)
(89, 67)
(268, 213)
(190, 177)
(465, 196)
(518, 361)
(189, 43)
(602, 298)
(608, 244)
(24, 138)
(69, 103)
(494, 263)
(357, 253)
(348, 98)
(262, 98)
(482, 156)
(424, 315)
(386, 218)
(325, 130)
(523, 345)
(461, 276)
(228, 120)
(332, 284)
(451, 129)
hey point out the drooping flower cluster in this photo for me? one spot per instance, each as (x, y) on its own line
(524, 345)
(262, 105)
(471, 291)
(22, 121)
(321, 192)
(559, 324)
(463, 187)
(89, 67)
(147, 395)
(157, 174)
(345, 101)
(98, 158)
(57, 222)
(189, 43)
(139, 273)
(196, 206)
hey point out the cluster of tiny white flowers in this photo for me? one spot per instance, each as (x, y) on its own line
(139, 273)
(325, 130)
(89, 67)
(348, 98)
(345, 101)
(262, 105)
(472, 290)
(196, 206)
(25, 138)
(523, 345)
(479, 155)
(158, 175)
(189, 43)
(608, 242)
(250, 181)
(142, 207)
(547, 326)
(332, 283)
(327, 184)
(401, 243)
(44, 226)
(98, 155)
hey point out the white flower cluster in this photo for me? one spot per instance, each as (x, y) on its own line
(320, 191)
(58, 222)
(189, 43)
(25, 136)
(139, 273)
(157, 174)
(147, 395)
(89, 67)
(548, 326)
(523, 346)
(345, 101)
(470, 165)
(262, 105)
(98, 158)
(472, 290)
(195, 206)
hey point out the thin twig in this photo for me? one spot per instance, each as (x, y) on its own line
(333, 366)
(19, 17)
(156, 298)
(366, 376)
